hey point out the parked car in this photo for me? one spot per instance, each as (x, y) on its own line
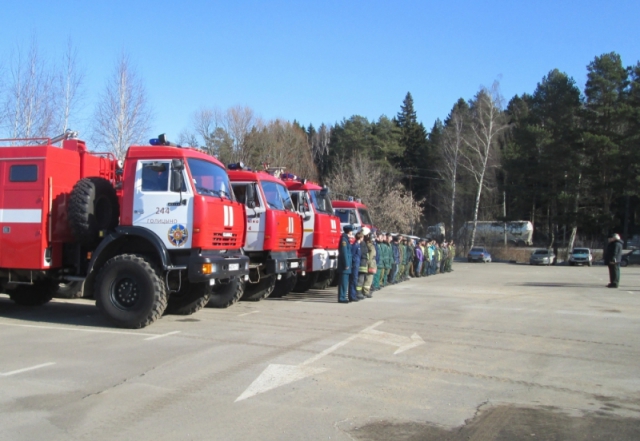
(542, 257)
(632, 258)
(479, 254)
(580, 256)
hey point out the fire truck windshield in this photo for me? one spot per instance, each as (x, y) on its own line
(277, 196)
(364, 216)
(210, 179)
(321, 202)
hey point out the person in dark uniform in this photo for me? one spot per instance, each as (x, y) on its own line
(612, 257)
(395, 253)
(344, 264)
(354, 292)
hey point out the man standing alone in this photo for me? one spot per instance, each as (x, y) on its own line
(612, 258)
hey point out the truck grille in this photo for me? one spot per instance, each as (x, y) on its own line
(225, 240)
(287, 245)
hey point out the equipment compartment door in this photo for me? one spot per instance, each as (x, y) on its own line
(21, 214)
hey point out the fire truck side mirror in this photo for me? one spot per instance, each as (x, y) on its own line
(177, 183)
(251, 196)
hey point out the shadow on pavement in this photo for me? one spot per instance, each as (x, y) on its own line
(329, 295)
(57, 312)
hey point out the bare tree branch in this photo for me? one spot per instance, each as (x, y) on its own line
(122, 117)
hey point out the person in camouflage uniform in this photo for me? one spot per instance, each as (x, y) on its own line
(450, 256)
(388, 260)
(410, 255)
(376, 277)
(402, 247)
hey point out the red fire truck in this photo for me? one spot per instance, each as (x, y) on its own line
(353, 212)
(274, 230)
(151, 234)
(321, 232)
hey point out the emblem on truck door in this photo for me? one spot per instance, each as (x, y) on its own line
(178, 235)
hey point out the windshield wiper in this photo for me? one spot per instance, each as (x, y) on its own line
(208, 191)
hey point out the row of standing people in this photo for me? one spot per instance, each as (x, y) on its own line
(369, 261)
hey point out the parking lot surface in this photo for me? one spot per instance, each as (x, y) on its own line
(487, 352)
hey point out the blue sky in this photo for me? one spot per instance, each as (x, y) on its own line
(323, 61)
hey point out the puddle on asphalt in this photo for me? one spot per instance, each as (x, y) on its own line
(510, 423)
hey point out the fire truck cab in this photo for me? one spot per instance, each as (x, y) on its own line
(273, 231)
(353, 212)
(153, 233)
(321, 232)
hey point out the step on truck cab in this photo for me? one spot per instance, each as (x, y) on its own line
(353, 212)
(274, 232)
(321, 234)
(144, 236)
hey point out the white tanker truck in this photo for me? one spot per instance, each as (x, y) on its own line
(489, 232)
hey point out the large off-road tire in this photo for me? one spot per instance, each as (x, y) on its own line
(304, 283)
(69, 290)
(254, 292)
(324, 279)
(130, 291)
(39, 293)
(285, 285)
(191, 297)
(93, 207)
(224, 295)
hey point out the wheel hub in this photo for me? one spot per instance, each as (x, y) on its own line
(125, 292)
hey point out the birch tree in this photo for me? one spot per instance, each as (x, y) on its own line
(122, 116)
(486, 123)
(70, 80)
(29, 105)
(451, 150)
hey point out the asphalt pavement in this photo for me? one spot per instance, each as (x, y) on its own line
(488, 352)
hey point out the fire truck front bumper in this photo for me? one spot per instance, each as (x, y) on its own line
(211, 266)
(319, 259)
(281, 262)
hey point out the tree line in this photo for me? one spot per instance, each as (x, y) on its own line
(564, 158)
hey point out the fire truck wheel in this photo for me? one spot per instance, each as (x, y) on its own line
(93, 207)
(69, 290)
(254, 292)
(191, 298)
(324, 280)
(285, 285)
(37, 294)
(130, 291)
(224, 295)
(305, 282)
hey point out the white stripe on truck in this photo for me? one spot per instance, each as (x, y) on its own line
(20, 216)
